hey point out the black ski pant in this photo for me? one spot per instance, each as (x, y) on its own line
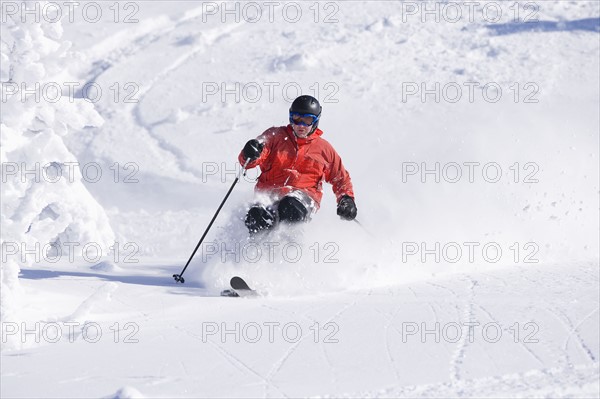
(293, 208)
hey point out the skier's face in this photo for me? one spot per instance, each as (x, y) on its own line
(301, 131)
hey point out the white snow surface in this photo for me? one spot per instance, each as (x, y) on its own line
(44, 201)
(452, 285)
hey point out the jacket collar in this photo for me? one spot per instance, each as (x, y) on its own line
(313, 136)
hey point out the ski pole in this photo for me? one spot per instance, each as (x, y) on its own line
(363, 227)
(178, 277)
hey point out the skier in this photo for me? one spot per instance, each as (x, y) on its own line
(294, 160)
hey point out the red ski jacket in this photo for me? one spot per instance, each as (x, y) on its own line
(290, 163)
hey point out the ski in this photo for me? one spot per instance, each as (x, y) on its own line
(239, 288)
(238, 283)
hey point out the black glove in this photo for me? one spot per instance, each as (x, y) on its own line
(346, 208)
(252, 150)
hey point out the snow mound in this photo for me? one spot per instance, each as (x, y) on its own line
(44, 200)
(106, 266)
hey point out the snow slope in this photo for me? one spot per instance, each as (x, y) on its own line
(536, 338)
(370, 343)
(381, 310)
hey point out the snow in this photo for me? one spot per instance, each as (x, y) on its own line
(366, 346)
(44, 202)
(380, 309)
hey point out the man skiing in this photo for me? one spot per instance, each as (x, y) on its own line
(294, 160)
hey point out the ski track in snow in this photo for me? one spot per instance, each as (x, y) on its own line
(571, 330)
(520, 343)
(388, 349)
(103, 293)
(136, 44)
(209, 38)
(322, 349)
(468, 316)
(237, 363)
(279, 364)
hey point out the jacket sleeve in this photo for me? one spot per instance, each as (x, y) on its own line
(339, 177)
(265, 139)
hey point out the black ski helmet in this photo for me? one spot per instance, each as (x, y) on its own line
(307, 105)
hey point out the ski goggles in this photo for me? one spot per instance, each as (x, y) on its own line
(303, 119)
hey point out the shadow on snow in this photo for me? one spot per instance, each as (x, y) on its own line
(165, 280)
(586, 24)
